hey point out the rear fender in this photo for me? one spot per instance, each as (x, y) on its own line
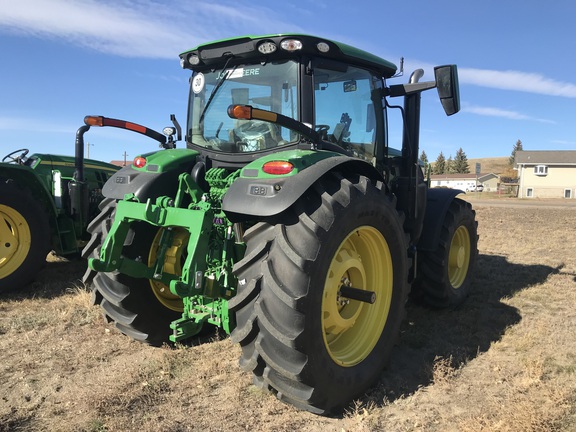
(36, 181)
(158, 177)
(143, 185)
(437, 204)
(26, 177)
(256, 195)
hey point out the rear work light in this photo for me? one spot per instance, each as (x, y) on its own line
(291, 45)
(277, 167)
(139, 162)
(323, 47)
(267, 47)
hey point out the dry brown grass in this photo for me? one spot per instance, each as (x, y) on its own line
(495, 165)
(504, 361)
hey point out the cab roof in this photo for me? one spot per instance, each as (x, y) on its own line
(246, 47)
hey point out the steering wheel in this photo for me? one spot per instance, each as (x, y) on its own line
(16, 159)
(252, 128)
(322, 130)
(254, 134)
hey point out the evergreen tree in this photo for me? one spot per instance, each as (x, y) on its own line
(460, 164)
(517, 147)
(426, 166)
(440, 165)
(424, 157)
(449, 169)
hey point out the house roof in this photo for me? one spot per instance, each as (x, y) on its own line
(120, 163)
(460, 176)
(548, 157)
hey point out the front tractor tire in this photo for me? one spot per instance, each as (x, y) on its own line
(300, 336)
(140, 308)
(445, 274)
(24, 236)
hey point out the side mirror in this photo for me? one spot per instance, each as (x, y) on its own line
(447, 85)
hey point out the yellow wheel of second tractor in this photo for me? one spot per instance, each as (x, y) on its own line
(15, 240)
(24, 235)
(352, 328)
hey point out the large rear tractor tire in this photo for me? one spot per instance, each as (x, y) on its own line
(445, 274)
(300, 336)
(140, 308)
(24, 236)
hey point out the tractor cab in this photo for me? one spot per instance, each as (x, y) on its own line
(333, 91)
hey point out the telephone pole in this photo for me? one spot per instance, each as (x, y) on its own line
(88, 150)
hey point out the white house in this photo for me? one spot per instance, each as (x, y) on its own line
(465, 182)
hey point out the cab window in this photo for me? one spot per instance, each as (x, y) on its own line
(345, 112)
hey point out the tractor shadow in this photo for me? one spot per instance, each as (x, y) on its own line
(458, 335)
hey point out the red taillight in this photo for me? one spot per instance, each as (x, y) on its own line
(139, 162)
(277, 167)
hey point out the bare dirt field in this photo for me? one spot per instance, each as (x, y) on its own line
(504, 361)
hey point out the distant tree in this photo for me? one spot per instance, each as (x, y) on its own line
(510, 174)
(424, 157)
(517, 147)
(427, 167)
(460, 164)
(440, 164)
(427, 171)
(449, 169)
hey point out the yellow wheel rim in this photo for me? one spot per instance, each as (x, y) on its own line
(172, 264)
(459, 257)
(351, 329)
(15, 240)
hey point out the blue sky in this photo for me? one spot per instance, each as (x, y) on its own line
(62, 60)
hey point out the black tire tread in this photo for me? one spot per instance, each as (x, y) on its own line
(21, 199)
(271, 325)
(127, 302)
(433, 285)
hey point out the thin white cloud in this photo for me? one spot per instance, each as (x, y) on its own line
(30, 125)
(135, 28)
(518, 81)
(564, 143)
(115, 29)
(498, 112)
(106, 136)
(528, 82)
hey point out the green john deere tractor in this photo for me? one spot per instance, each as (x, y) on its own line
(46, 202)
(288, 220)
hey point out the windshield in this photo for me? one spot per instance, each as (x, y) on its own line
(270, 86)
